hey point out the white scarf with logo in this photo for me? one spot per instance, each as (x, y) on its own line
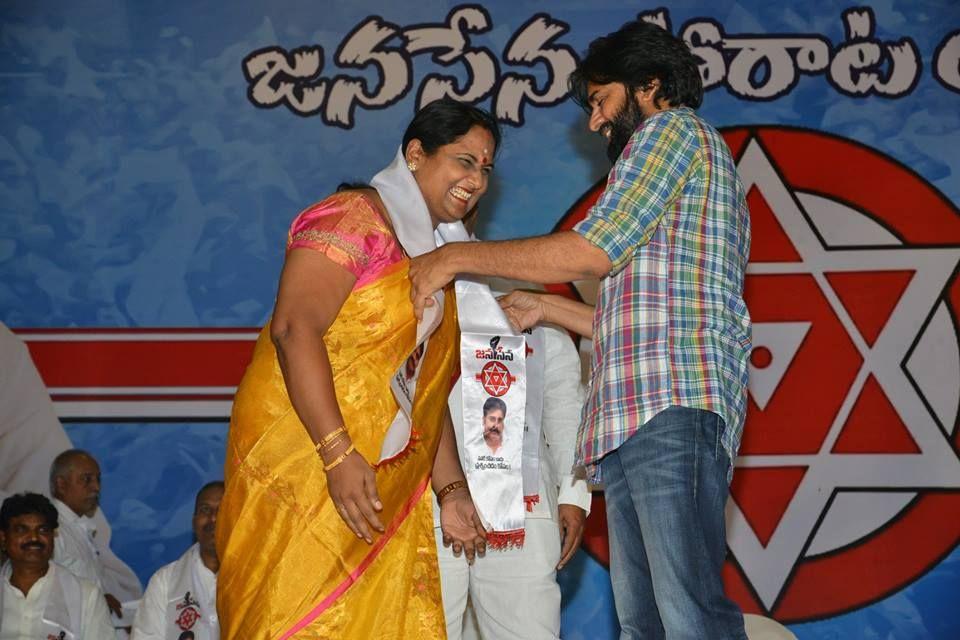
(493, 385)
(493, 474)
(191, 605)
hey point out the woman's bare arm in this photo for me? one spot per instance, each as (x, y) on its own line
(313, 288)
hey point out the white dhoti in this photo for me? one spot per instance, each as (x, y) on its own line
(514, 592)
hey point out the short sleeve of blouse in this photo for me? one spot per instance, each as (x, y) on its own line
(348, 230)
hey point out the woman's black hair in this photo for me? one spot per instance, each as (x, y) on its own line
(444, 121)
(634, 55)
(352, 186)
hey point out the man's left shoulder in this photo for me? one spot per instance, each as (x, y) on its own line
(680, 128)
(702, 128)
(682, 119)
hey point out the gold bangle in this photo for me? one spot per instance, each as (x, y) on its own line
(330, 445)
(450, 488)
(340, 458)
(325, 440)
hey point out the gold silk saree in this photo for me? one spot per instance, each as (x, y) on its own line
(290, 567)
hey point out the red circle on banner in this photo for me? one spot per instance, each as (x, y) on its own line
(921, 534)
(495, 378)
(761, 357)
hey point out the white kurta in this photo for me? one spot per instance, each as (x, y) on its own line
(181, 596)
(75, 548)
(57, 603)
(84, 550)
(514, 592)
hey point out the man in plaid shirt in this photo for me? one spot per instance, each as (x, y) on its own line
(670, 238)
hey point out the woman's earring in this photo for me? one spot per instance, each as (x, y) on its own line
(411, 165)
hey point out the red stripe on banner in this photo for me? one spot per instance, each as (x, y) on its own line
(133, 363)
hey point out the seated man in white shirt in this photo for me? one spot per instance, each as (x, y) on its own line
(514, 592)
(38, 598)
(180, 601)
(75, 487)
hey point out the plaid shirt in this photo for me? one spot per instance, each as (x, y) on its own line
(671, 326)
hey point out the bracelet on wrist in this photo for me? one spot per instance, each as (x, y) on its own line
(333, 444)
(450, 488)
(343, 456)
(330, 437)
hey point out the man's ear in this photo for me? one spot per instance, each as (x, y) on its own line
(645, 96)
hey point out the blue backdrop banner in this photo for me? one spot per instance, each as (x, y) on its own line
(152, 156)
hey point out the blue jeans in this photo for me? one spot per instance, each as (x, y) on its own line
(665, 489)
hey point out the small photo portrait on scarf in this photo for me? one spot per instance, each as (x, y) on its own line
(494, 415)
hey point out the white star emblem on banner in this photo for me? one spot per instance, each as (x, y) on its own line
(886, 358)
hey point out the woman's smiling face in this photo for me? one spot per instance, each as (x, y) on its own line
(455, 176)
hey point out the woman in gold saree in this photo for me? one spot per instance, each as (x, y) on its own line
(325, 530)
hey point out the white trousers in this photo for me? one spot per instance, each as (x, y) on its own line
(514, 593)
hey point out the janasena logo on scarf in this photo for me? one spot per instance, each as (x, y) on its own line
(494, 352)
(848, 463)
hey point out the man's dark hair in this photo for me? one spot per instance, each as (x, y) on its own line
(23, 504)
(444, 121)
(492, 404)
(209, 485)
(634, 55)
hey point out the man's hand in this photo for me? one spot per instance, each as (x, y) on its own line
(114, 605)
(524, 309)
(429, 273)
(572, 520)
(461, 525)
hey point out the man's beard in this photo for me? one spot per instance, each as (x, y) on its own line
(622, 127)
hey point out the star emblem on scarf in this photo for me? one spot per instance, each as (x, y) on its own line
(495, 378)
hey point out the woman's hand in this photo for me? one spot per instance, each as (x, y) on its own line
(524, 309)
(352, 485)
(461, 525)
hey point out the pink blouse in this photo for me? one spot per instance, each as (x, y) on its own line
(348, 229)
